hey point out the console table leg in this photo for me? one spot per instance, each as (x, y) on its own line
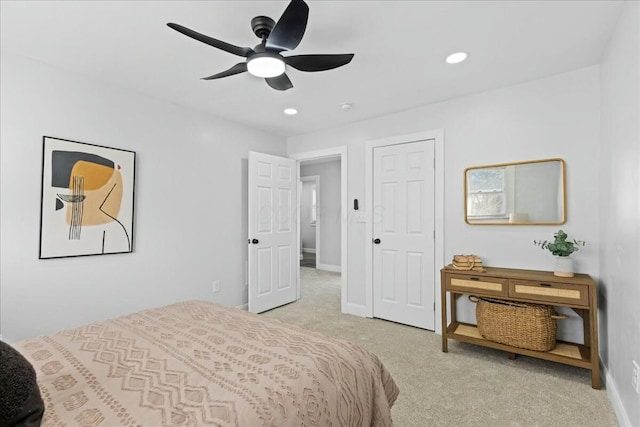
(595, 377)
(443, 316)
(593, 339)
(512, 356)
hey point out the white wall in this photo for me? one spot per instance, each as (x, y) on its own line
(307, 229)
(329, 211)
(191, 192)
(554, 117)
(619, 206)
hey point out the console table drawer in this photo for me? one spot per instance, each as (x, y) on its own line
(478, 285)
(550, 292)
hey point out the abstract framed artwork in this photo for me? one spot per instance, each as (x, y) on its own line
(87, 199)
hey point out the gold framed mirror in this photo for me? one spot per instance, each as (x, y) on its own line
(520, 193)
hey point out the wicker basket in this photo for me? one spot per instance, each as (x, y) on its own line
(518, 324)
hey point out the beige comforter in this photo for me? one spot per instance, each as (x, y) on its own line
(196, 363)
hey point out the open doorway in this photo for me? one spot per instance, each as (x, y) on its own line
(321, 214)
(267, 256)
(309, 221)
(331, 222)
(320, 230)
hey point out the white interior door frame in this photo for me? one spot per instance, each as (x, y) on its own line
(344, 223)
(437, 136)
(315, 179)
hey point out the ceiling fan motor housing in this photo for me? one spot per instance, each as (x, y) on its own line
(262, 26)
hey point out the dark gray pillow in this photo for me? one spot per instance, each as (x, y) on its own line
(20, 401)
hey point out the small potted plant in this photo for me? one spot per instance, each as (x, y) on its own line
(561, 248)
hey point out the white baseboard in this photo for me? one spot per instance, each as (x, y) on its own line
(329, 267)
(244, 307)
(309, 250)
(614, 397)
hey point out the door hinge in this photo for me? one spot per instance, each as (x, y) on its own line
(434, 234)
(434, 306)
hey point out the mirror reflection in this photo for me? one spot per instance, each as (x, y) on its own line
(523, 193)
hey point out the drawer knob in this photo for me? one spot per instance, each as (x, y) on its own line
(546, 285)
(474, 278)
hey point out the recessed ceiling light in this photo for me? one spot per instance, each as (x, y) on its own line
(346, 106)
(290, 111)
(457, 57)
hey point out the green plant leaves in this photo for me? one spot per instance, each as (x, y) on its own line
(560, 246)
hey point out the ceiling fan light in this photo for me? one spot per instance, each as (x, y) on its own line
(265, 65)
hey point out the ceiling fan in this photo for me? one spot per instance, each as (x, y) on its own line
(265, 59)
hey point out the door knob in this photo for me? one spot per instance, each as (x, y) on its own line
(255, 241)
(376, 241)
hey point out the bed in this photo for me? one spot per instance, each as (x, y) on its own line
(196, 363)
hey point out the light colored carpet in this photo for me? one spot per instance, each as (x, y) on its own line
(468, 386)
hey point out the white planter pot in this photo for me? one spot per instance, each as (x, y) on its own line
(564, 266)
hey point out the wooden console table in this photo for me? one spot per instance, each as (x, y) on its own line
(539, 287)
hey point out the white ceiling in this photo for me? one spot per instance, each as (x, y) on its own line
(399, 49)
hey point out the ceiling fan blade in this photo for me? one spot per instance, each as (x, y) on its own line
(288, 31)
(240, 51)
(240, 67)
(318, 62)
(280, 82)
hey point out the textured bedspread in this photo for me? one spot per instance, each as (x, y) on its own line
(197, 363)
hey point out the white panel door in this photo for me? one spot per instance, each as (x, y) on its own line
(403, 233)
(272, 232)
